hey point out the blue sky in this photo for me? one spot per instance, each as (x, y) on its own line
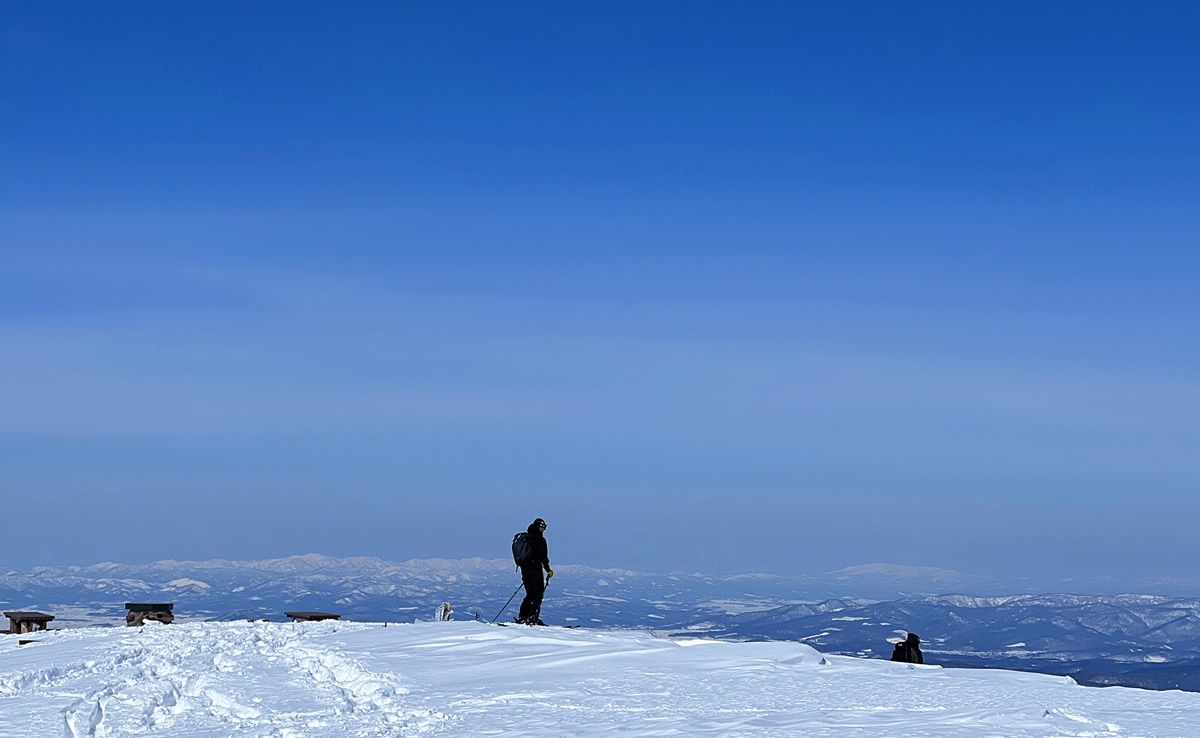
(780, 288)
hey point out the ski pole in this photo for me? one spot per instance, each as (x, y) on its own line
(506, 604)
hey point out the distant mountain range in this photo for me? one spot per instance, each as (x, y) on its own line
(1134, 640)
(1099, 638)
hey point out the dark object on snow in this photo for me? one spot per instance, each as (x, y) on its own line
(27, 622)
(311, 616)
(531, 573)
(909, 650)
(140, 612)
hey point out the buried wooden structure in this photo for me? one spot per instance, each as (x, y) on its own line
(140, 612)
(311, 616)
(27, 622)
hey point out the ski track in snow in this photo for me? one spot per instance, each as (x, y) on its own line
(329, 680)
(233, 679)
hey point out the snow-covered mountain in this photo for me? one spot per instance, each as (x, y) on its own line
(378, 590)
(338, 680)
(369, 586)
(1100, 639)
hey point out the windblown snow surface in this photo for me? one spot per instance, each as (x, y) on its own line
(471, 679)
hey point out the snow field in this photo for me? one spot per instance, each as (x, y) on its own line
(193, 680)
(327, 680)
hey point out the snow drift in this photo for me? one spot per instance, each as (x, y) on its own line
(468, 679)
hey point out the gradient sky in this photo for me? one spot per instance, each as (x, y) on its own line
(779, 287)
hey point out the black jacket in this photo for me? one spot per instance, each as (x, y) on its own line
(909, 652)
(541, 555)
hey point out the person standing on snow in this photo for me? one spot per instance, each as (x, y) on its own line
(531, 575)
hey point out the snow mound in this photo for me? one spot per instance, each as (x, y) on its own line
(328, 680)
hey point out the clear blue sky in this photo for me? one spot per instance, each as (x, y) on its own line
(712, 286)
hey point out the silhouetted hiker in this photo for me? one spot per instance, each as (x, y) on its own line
(538, 558)
(909, 650)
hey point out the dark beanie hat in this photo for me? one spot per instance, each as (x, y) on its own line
(539, 522)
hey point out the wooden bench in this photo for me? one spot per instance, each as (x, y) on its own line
(311, 616)
(140, 612)
(27, 622)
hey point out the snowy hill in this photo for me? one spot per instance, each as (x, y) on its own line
(1134, 640)
(327, 680)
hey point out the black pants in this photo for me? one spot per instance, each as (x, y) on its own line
(535, 587)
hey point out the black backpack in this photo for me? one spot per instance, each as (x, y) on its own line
(522, 549)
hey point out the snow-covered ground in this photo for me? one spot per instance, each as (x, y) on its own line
(470, 679)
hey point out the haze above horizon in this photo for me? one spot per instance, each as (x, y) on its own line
(784, 288)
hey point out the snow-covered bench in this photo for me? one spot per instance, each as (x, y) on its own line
(27, 622)
(311, 616)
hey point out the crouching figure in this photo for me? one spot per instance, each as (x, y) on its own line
(909, 650)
